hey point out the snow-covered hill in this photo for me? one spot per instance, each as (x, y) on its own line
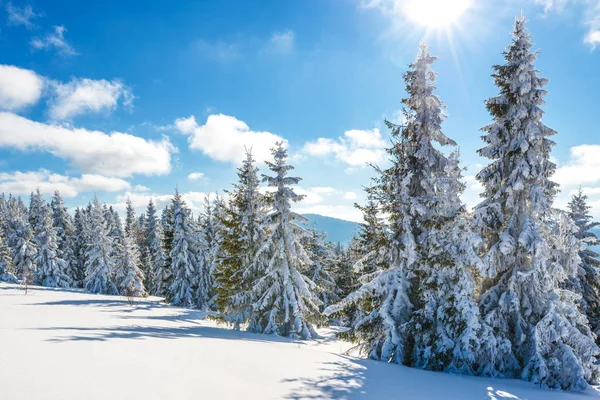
(58, 344)
(337, 230)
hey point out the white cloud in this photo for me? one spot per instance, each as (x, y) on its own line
(23, 183)
(282, 42)
(141, 188)
(21, 16)
(356, 148)
(553, 5)
(80, 96)
(19, 87)
(350, 196)
(582, 168)
(54, 40)
(195, 176)
(115, 154)
(194, 200)
(224, 138)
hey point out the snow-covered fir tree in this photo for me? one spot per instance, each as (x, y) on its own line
(538, 329)
(185, 259)
(242, 235)
(411, 303)
(19, 238)
(6, 263)
(52, 270)
(155, 257)
(587, 280)
(82, 230)
(99, 262)
(65, 236)
(129, 278)
(283, 298)
(320, 271)
(163, 275)
(211, 236)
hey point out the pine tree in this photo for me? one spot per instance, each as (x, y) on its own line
(185, 260)
(163, 275)
(322, 258)
(411, 302)
(19, 238)
(587, 280)
(99, 263)
(82, 229)
(211, 237)
(130, 220)
(537, 327)
(242, 236)
(154, 251)
(65, 237)
(51, 268)
(129, 278)
(284, 303)
(6, 263)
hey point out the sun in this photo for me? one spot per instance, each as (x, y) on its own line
(435, 14)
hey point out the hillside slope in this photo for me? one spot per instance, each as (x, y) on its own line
(337, 230)
(67, 345)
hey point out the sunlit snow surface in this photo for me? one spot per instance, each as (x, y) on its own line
(57, 344)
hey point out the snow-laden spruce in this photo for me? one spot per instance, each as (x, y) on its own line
(587, 279)
(65, 236)
(242, 236)
(283, 301)
(211, 235)
(51, 268)
(155, 257)
(129, 277)
(322, 258)
(541, 335)
(6, 264)
(19, 238)
(99, 262)
(186, 260)
(419, 307)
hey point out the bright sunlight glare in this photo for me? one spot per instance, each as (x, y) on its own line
(435, 13)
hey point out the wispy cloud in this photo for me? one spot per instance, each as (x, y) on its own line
(588, 10)
(21, 16)
(196, 176)
(219, 51)
(282, 42)
(54, 40)
(81, 96)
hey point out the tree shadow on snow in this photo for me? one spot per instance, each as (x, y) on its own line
(359, 379)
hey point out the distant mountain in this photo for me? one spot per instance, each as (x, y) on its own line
(337, 230)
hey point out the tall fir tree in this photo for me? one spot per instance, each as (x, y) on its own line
(427, 251)
(82, 230)
(242, 236)
(321, 255)
(283, 298)
(163, 275)
(51, 268)
(155, 257)
(537, 327)
(185, 260)
(19, 238)
(587, 280)
(99, 262)
(6, 262)
(129, 277)
(65, 236)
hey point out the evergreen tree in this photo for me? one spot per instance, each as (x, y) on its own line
(129, 278)
(65, 237)
(284, 303)
(130, 220)
(6, 263)
(419, 307)
(80, 221)
(154, 251)
(163, 275)
(322, 259)
(587, 280)
(211, 232)
(20, 240)
(242, 235)
(185, 260)
(537, 327)
(99, 263)
(51, 268)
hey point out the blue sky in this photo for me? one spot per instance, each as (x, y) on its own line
(134, 99)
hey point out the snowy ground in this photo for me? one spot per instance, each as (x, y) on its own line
(57, 344)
